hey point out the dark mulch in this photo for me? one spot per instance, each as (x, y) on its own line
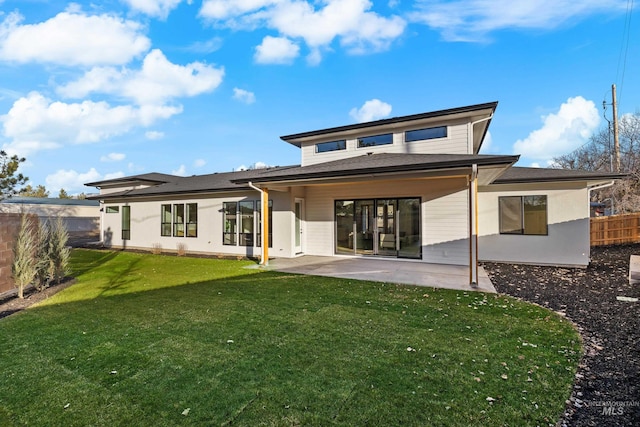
(13, 304)
(607, 386)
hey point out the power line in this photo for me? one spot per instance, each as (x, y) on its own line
(624, 48)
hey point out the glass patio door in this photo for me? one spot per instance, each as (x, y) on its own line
(386, 227)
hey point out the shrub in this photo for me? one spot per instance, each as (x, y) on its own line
(182, 249)
(156, 249)
(59, 253)
(42, 238)
(24, 252)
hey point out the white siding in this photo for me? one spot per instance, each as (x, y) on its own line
(444, 215)
(145, 225)
(454, 143)
(567, 242)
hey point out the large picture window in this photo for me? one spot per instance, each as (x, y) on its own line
(242, 223)
(176, 218)
(525, 215)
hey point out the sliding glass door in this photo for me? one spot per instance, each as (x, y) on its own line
(386, 227)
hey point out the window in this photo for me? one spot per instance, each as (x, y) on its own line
(427, 133)
(192, 220)
(270, 223)
(112, 209)
(126, 222)
(323, 147)
(229, 220)
(178, 218)
(242, 222)
(371, 141)
(523, 215)
(165, 219)
(246, 223)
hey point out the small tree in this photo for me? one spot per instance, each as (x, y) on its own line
(59, 253)
(39, 191)
(63, 194)
(23, 268)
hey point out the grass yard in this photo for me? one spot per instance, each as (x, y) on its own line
(151, 340)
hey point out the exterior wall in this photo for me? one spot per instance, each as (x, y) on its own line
(79, 220)
(454, 143)
(567, 242)
(146, 225)
(444, 219)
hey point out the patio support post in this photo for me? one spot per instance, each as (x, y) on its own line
(264, 199)
(473, 226)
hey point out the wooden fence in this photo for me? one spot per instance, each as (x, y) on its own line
(615, 229)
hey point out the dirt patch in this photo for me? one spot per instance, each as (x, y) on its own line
(13, 304)
(607, 387)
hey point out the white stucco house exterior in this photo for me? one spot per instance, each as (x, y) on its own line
(411, 187)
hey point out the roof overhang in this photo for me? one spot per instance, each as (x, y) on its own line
(470, 113)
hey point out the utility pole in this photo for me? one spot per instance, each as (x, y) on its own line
(616, 141)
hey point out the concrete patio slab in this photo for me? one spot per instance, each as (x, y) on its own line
(385, 270)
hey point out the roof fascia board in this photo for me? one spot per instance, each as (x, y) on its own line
(387, 170)
(472, 111)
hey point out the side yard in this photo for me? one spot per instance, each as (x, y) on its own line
(607, 386)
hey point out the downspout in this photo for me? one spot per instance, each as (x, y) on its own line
(470, 134)
(473, 208)
(473, 226)
(264, 244)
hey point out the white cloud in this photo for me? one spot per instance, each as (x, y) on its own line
(35, 122)
(198, 163)
(244, 96)
(358, 29)
(157, 82)
(71, 38)
(70, 180)
(153, 135)
(276, 50)
(472, 20)
(487, 143)
(113, 157)
(181, 171)
(373, 109)
(155, 8)
(561, 132)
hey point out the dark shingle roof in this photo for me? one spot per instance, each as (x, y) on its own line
(153, 177)
(379, 164)
(48, 201)
(519, 174)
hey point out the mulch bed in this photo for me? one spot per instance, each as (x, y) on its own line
(607, 387)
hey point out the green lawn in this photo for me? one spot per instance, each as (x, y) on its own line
(151, 340)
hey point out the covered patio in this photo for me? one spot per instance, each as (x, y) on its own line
(385, 270)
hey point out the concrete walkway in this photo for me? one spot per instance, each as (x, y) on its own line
(385, 270)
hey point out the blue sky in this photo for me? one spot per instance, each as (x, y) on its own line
(92, 90)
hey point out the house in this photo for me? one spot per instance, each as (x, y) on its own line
(80, 217)
(411, 187)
